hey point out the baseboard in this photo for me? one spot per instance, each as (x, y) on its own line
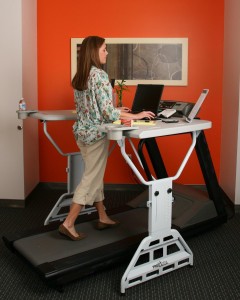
(53, 185)
(237, 209)
(123, 187)
(21, 203)
(107, 186)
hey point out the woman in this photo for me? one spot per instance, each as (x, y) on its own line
(93, 100)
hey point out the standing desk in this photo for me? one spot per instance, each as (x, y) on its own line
(160, 249)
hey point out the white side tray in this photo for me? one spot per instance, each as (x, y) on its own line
(115, 131)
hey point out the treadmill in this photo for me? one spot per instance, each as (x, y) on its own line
(58, 260)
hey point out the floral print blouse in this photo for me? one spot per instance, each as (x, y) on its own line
(94, 107)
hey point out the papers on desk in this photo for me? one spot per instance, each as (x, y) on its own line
(139, 122)
(144, 122)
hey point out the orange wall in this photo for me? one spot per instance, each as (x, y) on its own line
(200, 21)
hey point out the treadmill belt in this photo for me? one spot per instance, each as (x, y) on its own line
(51, 246)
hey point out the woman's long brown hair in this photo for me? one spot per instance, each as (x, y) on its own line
(88, 57)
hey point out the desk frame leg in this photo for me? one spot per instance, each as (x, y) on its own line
(164, 250)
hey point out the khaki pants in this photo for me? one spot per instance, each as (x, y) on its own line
(90, 189)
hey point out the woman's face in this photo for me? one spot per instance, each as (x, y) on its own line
(103, 54)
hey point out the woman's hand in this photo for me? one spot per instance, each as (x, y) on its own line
(145, 115)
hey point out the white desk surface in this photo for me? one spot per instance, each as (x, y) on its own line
(144, 131)
(164, 129)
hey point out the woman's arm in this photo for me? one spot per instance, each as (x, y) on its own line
(141, 115)
(126, 113)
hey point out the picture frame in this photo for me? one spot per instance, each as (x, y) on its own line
(143, 60)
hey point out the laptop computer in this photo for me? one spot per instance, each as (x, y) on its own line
(147, 98)
(197, 106)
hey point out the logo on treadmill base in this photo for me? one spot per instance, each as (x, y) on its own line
(160, 264)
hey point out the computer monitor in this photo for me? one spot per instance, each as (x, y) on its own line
(147, 98)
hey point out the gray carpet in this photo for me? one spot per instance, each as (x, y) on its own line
(215, 274)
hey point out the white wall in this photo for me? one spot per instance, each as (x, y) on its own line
(30, 93)
(18, 77)
(230, 145)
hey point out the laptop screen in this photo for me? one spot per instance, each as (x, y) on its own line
(147, 97)
(197, 106)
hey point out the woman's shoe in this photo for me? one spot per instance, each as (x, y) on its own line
(102, 226)
(63, 230)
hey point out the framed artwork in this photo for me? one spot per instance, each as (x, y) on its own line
(142, 60)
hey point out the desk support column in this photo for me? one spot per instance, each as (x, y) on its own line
(160, 207)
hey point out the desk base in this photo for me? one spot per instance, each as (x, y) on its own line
(61, 209)
(156, 256)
